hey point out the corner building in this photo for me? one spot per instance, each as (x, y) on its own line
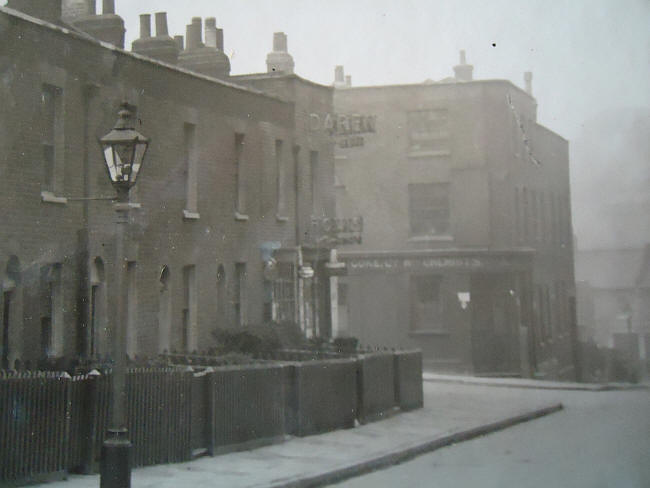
(219, 205)
(467, 243)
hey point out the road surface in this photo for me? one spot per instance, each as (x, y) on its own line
(600, 440)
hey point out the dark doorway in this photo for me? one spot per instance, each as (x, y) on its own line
(6, 323)
(94, 291)
(495, 347)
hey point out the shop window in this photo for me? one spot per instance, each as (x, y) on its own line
(52, 140)
(426, 302)
(429, 209)
(429, 131)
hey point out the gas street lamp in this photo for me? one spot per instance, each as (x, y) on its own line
(123, 149)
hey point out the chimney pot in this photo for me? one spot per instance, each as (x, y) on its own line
(339, 74)
(179, 42)
(348, 80)
(528, 79)
(145, 26)
(280, 42)
(211, 32)
(161, 24)
(462, 57)
(193, 34)
(108, 7)
(220, 39)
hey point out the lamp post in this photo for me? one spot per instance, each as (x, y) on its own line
(123, 149)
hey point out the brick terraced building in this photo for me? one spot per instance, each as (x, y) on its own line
(220, 229)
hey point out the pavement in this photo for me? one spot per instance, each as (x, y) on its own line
(453, 411)
(532, 383)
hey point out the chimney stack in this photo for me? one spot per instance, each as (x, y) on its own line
(145, 26)
(162, 47)
(209, 58)
(161, 24)
(279, 60)
(107, 26)
(528, 79)
(340, 80)
(463, 71)
(71, 10)
(211, 32)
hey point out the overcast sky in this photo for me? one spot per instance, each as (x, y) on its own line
(585, 55)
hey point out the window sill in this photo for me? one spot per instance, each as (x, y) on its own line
(49, 197)
(430, 332)
(281, 218)
(126, 206)
(241, 217)
(428, 154)
(440, 238)
(189, 215)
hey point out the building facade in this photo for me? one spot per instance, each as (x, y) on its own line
(227, 191)
(467, 240)
(613, 288)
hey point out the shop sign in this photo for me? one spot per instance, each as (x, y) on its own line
(333, 232)
(427, 263)
(347, 129)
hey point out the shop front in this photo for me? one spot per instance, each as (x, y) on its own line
(466, 310)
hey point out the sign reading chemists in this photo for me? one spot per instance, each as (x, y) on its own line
(348, 129)
(362, 264)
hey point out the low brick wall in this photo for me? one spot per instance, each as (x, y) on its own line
(375, 385)
(322, 396)
(408, 380)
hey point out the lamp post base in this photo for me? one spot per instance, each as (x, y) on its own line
(115, 466)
